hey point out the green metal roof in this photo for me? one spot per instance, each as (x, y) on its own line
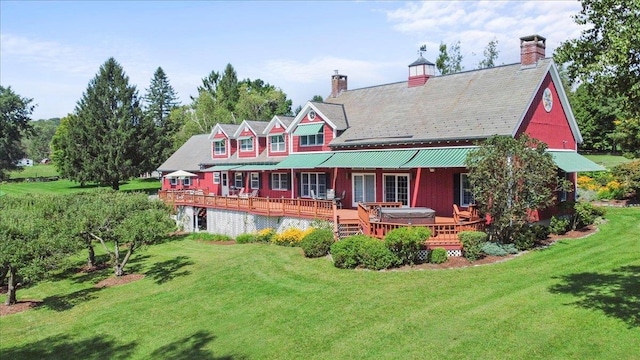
(255, 167)
(221, 168)
(571, 161)
(440, 158)
(308, 129)
(303, 161)
(386, 159)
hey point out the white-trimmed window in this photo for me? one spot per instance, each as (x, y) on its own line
(277, 143)
(238, 183)
(313, 139)
(173, 181)
(466, 195)
(220, 147)
(396, 188)
(186, 181)
(246, 144)
(254, 180)
(563, 195)
(313, 181)
(279, 181)
(364, 188)
(216, 178)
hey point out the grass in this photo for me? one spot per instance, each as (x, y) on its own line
(65, 186)
(34, 171)
(577, 299)
(608, 161)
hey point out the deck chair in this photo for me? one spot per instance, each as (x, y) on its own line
(313, 195)
(254, 193)
(243, 194)
(460, 215)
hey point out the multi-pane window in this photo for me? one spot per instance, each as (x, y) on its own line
(186, 181)
(173, 181)
(219, 147)
(312, 140)
(313, 181)
(246, 144)
(364, 188)
(277, 143)
(466, 195)
(238, 183)
(396, 188)
(279, 181)
(216, 178)
(255, 180)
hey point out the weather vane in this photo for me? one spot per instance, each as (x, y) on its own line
(423, 49)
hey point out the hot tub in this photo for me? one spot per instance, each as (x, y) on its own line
(417, 215)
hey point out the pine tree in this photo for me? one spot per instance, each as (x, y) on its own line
(110, 129)
(160, 100)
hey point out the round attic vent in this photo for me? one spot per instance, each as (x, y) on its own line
(312, 115)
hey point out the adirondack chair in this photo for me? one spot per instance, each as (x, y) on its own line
(460, 215)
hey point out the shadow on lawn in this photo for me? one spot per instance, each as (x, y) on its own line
(66, 302)
(191, 347)
(63, 347)
(616, 294)
(168, 270)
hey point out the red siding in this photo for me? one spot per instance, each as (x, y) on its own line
(277, 131)
(247, 154)
(220, 136)
(551, 127)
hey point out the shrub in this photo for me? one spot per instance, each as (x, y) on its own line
(345, 252)
(472, 242)
(629, 175)
(406, 242)
(210, 237)
(362, 250)
(317, 243)
(375, 255)
(540, 232)
(290, 237)
(321, 224)
(524, 238)
(265, 235)
(496, 249)
(245, 238)
(558, 225)
(438, 256)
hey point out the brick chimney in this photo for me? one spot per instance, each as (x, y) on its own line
(532, 49)
(338, 84)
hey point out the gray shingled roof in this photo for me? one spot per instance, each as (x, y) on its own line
(235, 160)
(196, 151)
(258, 126)
(286, 120)
(334, 113)
(467, 105)
(230, 129)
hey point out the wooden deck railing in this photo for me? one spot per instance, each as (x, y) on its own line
(304, 208)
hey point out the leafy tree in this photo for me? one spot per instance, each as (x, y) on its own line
(38, 145)
(317, 98)
(14, 125)
(160, 100)
(31, 240)
(629, 175)
(449, 61)
(627, 136)
(607, 53)
(110, 130)
(490, 55)
(595, 116)
(510, 177)
(260, 101)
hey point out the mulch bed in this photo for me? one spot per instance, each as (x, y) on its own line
(451, 263)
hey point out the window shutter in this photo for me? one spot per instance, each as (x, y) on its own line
(456, 189)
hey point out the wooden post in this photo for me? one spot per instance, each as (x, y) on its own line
(415, 188)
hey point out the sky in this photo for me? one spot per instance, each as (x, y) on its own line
(50, 50)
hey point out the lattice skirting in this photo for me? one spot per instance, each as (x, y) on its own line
(424, 254)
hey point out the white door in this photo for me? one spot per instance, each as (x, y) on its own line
(364, 188)
(224, 183)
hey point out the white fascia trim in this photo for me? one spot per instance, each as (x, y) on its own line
(305, 110)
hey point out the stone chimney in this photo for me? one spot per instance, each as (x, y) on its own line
(338, 84)
(532, 49)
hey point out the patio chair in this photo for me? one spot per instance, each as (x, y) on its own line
(460, 215)
(313, 195)
(254, 193)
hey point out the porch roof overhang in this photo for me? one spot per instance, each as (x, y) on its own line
(256, 167)
(385, 159)
(303, 161)
(308, 129)
(220, 168)
(453, 157)
(571, 161)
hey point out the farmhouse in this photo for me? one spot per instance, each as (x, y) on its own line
(370, 159)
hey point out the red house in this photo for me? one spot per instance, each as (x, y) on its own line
(403, 143)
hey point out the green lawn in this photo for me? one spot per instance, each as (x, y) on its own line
(579, 299)
(34, 171)
(66, 186)
(608, 161)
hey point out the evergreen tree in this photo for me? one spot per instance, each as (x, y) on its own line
(228, 89)
(160, 100)
(14, 125)
(111, 130)
(68, 152)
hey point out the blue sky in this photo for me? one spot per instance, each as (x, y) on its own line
(50, 50)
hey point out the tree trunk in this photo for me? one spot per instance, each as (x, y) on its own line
(119, 268)
(11, 288)
(91, 259)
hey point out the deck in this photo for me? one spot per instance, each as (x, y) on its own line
(363, 220)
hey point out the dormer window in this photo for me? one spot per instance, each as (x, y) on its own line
(246, 144)
(277, 143)
(219, 147)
